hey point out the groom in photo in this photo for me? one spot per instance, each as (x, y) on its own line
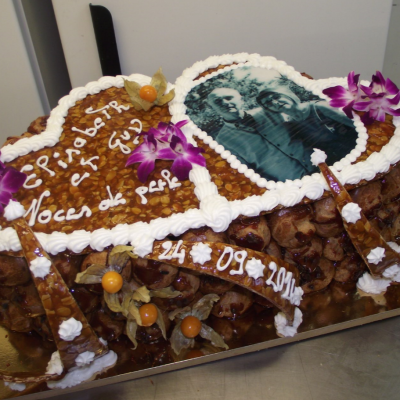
(257, 139)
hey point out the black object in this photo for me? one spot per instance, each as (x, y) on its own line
(105, 38)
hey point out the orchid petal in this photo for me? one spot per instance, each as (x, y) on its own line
(12, 180)
(137, 157)
(5, 197)
(339, 103)
(179, 124)
(380, 114)
(392, 111)
(390, 87)
(348, 110)
(167, 154)
(144, 170)
(176, 141)
(367, 119)
(395, 100)
(335, 91)
(181, 168)
(194, 156)
(352, 81)
(362, 105)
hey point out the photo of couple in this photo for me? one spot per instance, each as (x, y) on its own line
(269, 123)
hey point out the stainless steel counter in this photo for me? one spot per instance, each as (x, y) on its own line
(361, 363)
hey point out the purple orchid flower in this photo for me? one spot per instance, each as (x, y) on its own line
(165, 132)
(379, 102)
(10, 182)
(345, 98)
(146, 154)
(166, 142)
(184, 155)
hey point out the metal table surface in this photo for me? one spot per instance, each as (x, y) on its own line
(360, 363)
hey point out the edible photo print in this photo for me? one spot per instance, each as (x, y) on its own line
(270, 123)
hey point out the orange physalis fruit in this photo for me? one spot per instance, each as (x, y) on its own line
(148, 314)
(148, 93)
(112, 282)
(191, 326)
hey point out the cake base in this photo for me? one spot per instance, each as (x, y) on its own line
(339, 307)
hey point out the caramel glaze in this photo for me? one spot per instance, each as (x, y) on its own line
(258, 286)
(362, 234)
(151, 274)
(58, 302)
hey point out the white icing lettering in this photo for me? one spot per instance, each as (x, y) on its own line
(136, 129)
(125, 135)
(71, 213)
(273, 267)
(117, 107)
(92, 132)
(45, 216)
(229, 251)
(56, 155)
(30, 177)
(70, 152)
(58, 217)
(62, 164)
(112, 201)
(167, 247)
(172, 183)
(123, 147)
(180, 255)
(280, 280)
(79, 142)
(103, 110)
(42, 163)
(159, 188)
(141, 190)
(89, 162)
(76, 179)
(290, 282)
(35, 206)
(240, 257)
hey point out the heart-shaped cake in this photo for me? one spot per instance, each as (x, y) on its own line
(160, 212)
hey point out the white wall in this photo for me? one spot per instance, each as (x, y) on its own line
(321, 37)
(20, 102)
(391, 67)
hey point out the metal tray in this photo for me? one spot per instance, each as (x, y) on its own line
(336, 308)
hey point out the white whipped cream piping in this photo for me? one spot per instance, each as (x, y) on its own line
(351, 213)
(84, 358)
(375, 256)
(255, 268)
(13, 210)
(40, 267)
(55, 365)
(70, 329)
(85, 373)
(187, 81)
(318, 157)
(19, 387)
(369, 284)
(201, 253)
(282, 326)
(142, 235)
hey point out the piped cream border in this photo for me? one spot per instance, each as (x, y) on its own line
(214, 211)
